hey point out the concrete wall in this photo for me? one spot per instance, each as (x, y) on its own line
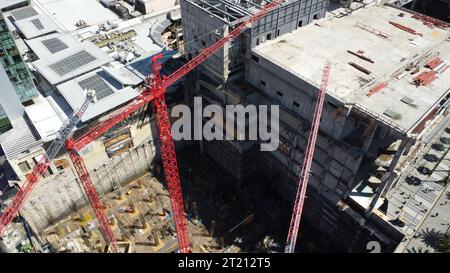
(202, 29)
(295, 94)
(60, 195)
(198, 32)
(286, 19)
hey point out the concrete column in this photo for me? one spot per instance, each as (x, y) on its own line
(391, 175)
(369, 139)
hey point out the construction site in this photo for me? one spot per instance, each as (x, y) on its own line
(89, 162)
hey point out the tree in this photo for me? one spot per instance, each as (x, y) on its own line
(444, 244)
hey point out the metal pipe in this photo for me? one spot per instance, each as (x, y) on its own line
(361, 56)
(360, 68)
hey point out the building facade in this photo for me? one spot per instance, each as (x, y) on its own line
(360, 149)
(16, 71)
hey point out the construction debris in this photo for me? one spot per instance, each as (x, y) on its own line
(405, 28)
(377, 88)
(372, 30)
(430, 22)
(425, 78)
(360, 68)
(434, 63)
(361, 56)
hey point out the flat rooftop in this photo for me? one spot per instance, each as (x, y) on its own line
(110, 93)
(66, 13)
(30, 22)
(9, 3)
(70, 63)
(47, 46)
(37, 25)
(48, 116)
(305, 51)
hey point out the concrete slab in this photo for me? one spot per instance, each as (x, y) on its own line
(305, 51)
(68, 12)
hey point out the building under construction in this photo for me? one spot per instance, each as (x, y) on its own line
(388, 83)
(385, 109)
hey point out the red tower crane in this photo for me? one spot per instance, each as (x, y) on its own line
(154, 92)
(307, 163)
(41, 167)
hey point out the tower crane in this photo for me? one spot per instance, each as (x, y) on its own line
(41, 167)
(307, 163)
(155, 93)
(157, 85)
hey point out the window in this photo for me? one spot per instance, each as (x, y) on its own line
(279, 94)
(300, 23)
(24, 167)
(257, 41)
(316, 16)
(254, 58)
(296, 104)
(278, 32)
(269, 36)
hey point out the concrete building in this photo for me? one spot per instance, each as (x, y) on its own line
(204, 22)
(367, 133)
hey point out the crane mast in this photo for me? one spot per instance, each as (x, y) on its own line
(307, 163)
(95, 201)
(41, 167)
(155, 93)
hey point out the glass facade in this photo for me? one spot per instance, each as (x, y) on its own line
(16, 70)
(5, 125)
(14, 66)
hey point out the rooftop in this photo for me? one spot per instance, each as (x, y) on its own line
(304, 53)
(110, 93)
(8, 3)
(47, 117)
(70, 63)
(36, 25)
(66, 13)
(47, 46)
(21, 140)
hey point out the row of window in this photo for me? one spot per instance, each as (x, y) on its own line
(269, 36)
(296, 104)
(14, 66)
(270, 22)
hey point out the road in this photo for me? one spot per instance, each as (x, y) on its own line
(425, 207)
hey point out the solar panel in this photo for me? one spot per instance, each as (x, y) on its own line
(54, 45)
(71, 63)
(96, 83)
(24, 13)
(38, 24)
